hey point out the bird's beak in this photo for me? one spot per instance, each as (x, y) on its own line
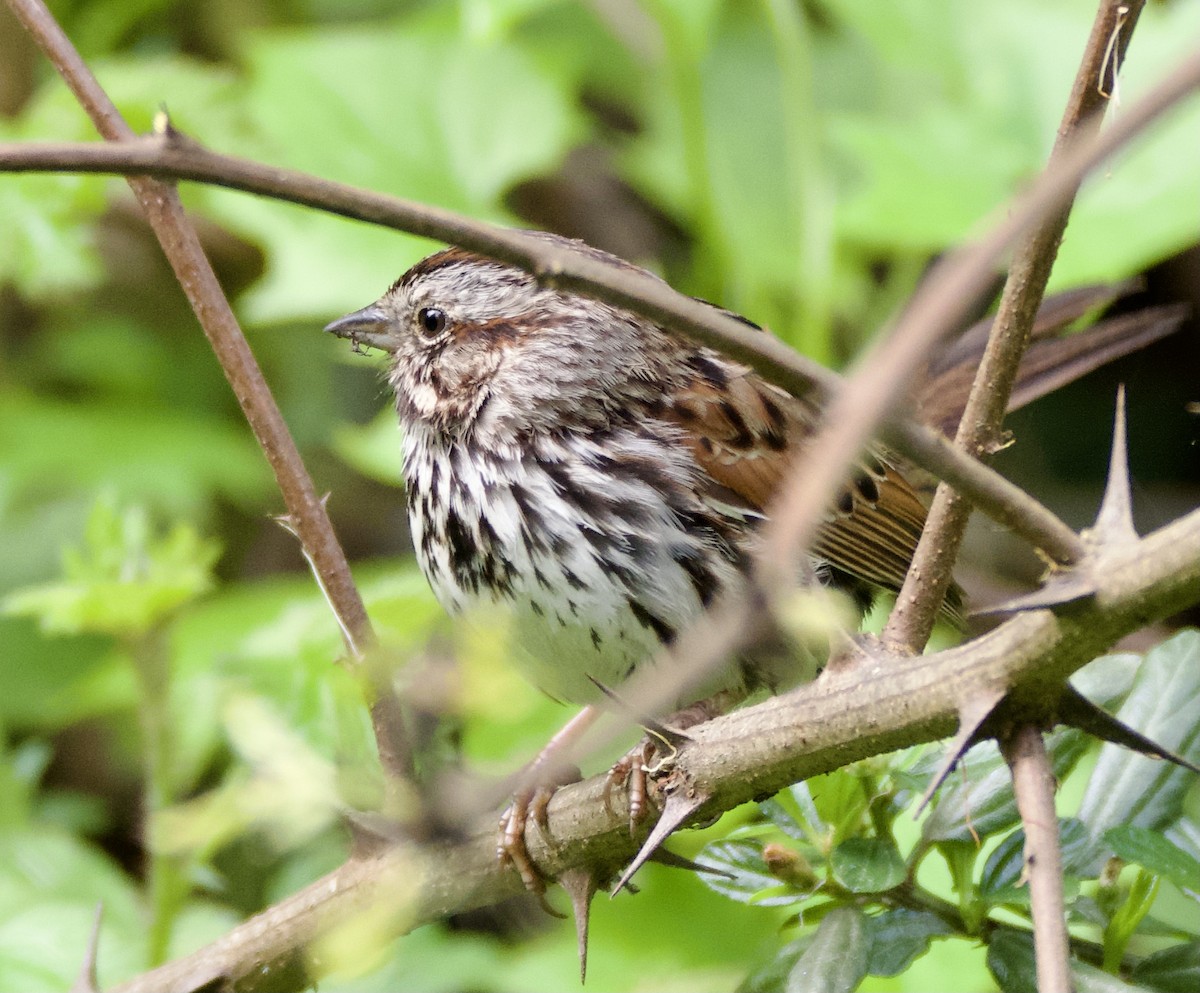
(369, 326)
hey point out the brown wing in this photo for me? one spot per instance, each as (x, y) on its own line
(745, 432)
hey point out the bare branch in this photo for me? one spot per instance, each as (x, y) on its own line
(979, 433)
(180, 244)
(1034, 785)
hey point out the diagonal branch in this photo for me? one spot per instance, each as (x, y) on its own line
(180, 244)
(979, 429)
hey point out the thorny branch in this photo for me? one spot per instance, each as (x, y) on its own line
(751, 753)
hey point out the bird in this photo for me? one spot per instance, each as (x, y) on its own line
(605, 479)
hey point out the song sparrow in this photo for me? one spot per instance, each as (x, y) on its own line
(600, 475)
(605, 478)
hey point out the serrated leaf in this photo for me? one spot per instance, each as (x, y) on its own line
(867, 865)
(123, 580)
(836, 961)
(1170, 970)
(899, 937)
(1152, 851)
(1164, 705)
(747, 878)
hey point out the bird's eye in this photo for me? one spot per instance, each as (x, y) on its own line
(432, 320)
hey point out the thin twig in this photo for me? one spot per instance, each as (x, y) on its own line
(180, 244)
(979, 430)
(847, 715)
(1034, 785)
(882, 375)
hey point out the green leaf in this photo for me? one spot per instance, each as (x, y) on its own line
(751, 881)
(840, 801)
(1128, 917)
(867, 865)
(124, 580)
(426, 114)
(985, 803)
(1170, 970)
(836, 961)
(772, 977)
(1152, 851)
(373, 449)
(168, 459)
(899, 937)
(49, 245)
(1082, 857)
(1010, 960)
(794, 813)
(1164, 704)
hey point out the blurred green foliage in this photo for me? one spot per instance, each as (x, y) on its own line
(798, 162)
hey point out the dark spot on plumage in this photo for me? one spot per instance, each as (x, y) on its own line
(686, 412)
(631, 511)
(540, 578)
(621, 572)
(874, 465)
(867, 487)
(428, 542)
(845, 502)
(706, 445)
(586, 499)
(488, 537)
(601, 541)
(775, 442)
(573, 580)
(662, 630)
(641, 549)
(742, 438)
(708, 369)
(573, 607)
(533, 526)
(435, 381)
(648, 471)
(655, 407)
(595, 638)
(562, 621)
(858, 590)
(775, 415)
(703, 580)
(435, 474)
(560, 546)
(536, 608)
